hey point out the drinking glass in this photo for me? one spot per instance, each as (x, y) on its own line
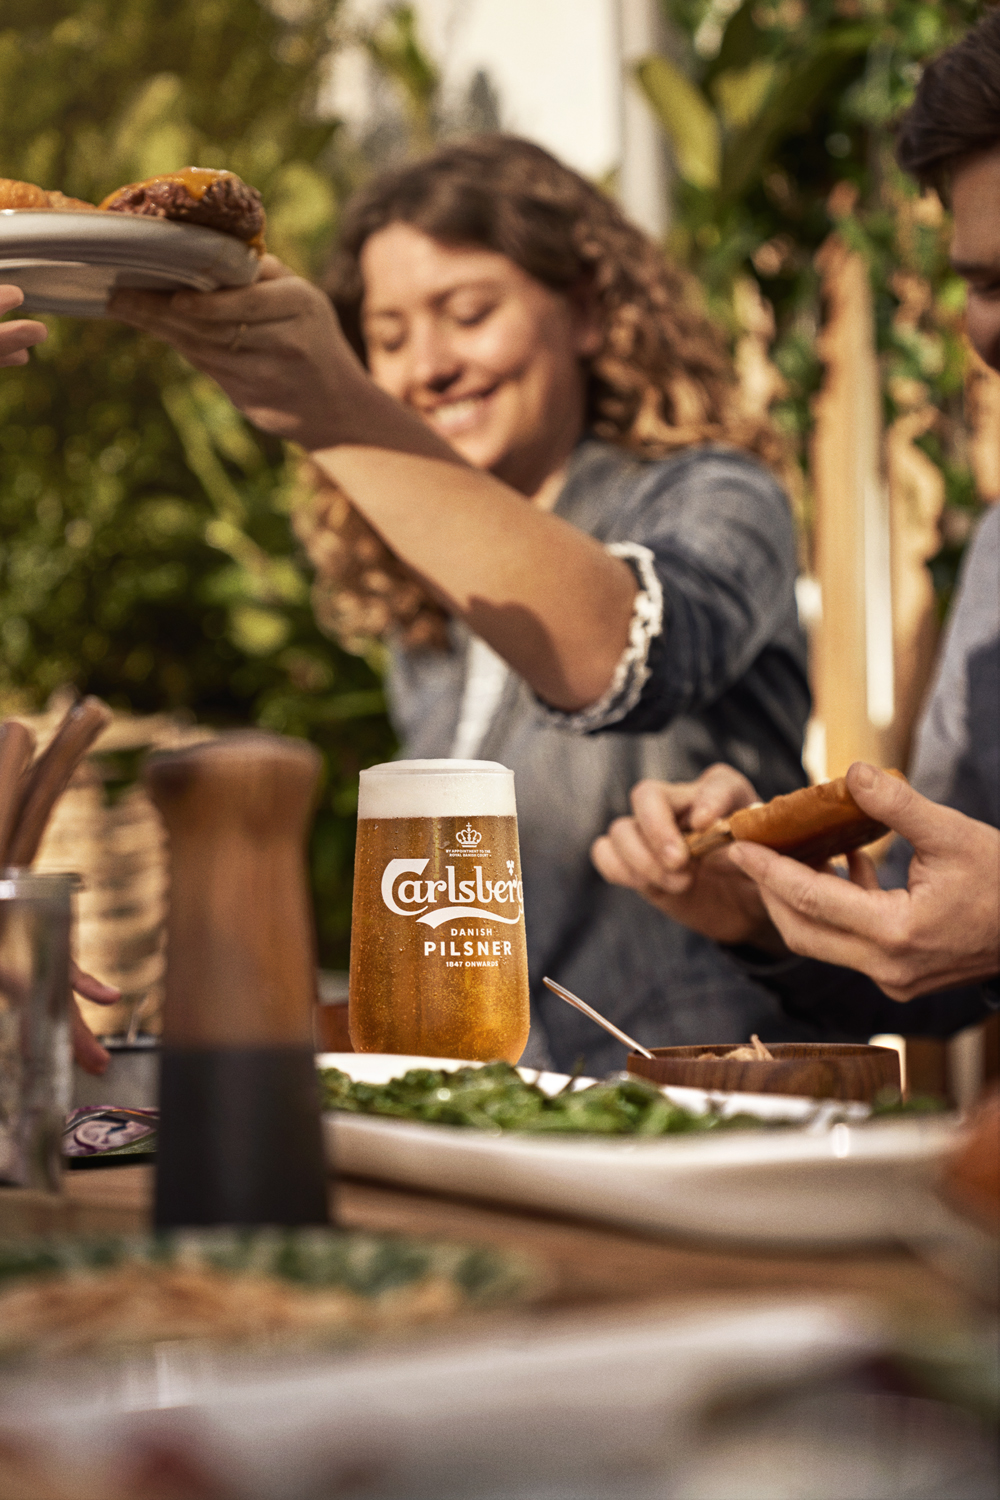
(439, 966)
(35, 1047)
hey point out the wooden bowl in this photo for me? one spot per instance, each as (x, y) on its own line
(816, 1070)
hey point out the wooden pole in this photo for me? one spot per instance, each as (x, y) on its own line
(853, 689)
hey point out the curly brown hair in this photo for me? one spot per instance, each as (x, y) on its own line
(662, 379)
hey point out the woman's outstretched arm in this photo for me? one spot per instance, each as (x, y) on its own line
(549, 599)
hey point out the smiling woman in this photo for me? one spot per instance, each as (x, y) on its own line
(490, 357)
(536, 481)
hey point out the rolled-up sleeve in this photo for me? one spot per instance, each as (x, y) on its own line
(711, 541)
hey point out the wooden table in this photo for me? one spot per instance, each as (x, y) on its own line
(591, 1264)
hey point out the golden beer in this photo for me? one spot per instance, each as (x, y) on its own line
(438, 960)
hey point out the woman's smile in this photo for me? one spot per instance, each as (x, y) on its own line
(487, 355)
(460, 413)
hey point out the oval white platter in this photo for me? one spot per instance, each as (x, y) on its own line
(819, 1184)
(71, 263)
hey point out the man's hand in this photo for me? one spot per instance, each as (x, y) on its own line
(942, 931)
(647, 853)
(18, 337)
(87, 1050)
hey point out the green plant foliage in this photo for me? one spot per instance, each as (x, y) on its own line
(777, 115)
(690, 121)
(409, 108)
(146, 552)
(395, 48)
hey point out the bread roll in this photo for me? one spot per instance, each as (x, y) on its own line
(14, 194)
(812, 825)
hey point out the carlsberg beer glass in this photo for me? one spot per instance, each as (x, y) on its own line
(438, 960)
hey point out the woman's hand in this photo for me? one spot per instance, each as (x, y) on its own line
(647, 853)
(274, 347)
(87, 1050)
(942, 931)
(18, 337)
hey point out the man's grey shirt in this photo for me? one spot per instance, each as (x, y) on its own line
(726, 681)
(956, 753)
(955, 761)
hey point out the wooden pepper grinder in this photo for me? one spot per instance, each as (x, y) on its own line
(240, 1137)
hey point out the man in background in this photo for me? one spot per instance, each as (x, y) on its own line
(937, 925)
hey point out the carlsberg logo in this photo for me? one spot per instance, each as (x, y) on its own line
(418, 898)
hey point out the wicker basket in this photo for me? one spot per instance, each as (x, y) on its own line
(118, 848)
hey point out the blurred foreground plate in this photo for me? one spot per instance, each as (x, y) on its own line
(72, 262)
(257, 1288)
(564, 1408)
(816, 1185)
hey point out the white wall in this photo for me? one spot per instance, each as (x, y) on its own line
(553, 63)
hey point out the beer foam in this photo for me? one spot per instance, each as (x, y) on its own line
(437, 789)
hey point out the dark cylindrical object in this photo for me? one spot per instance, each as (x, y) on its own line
(240, 1135)
(240, 1139)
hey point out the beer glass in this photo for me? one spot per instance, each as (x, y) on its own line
(438, 960)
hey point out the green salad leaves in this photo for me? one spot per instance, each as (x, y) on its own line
(495, 1097)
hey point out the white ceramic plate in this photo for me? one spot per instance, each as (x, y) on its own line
(558, 1408)
(852, 1183)
(71, 262)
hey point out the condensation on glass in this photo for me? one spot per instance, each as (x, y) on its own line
(438, 958)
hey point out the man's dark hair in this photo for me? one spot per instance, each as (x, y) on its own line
(957, 108)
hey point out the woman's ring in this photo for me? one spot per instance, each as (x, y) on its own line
(237, 338)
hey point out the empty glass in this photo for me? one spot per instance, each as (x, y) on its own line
(35, 1047)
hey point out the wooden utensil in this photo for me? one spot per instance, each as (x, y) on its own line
(239, 1108)
(595, 1015)
(17, 745)
(814, 1070)
(51, 774)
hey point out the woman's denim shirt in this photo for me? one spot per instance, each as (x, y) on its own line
(716, 670)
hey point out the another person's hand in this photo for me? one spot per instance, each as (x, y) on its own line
(275, 347)
(22, 334)
(942, 931)
(87, 1050)
(647, 853)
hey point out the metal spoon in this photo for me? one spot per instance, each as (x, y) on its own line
(588, 1010)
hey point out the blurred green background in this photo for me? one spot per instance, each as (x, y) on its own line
(146, 552)
(779, 115)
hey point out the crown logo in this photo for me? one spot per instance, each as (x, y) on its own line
(468, 836)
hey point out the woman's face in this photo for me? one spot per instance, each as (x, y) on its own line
(487, 355)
